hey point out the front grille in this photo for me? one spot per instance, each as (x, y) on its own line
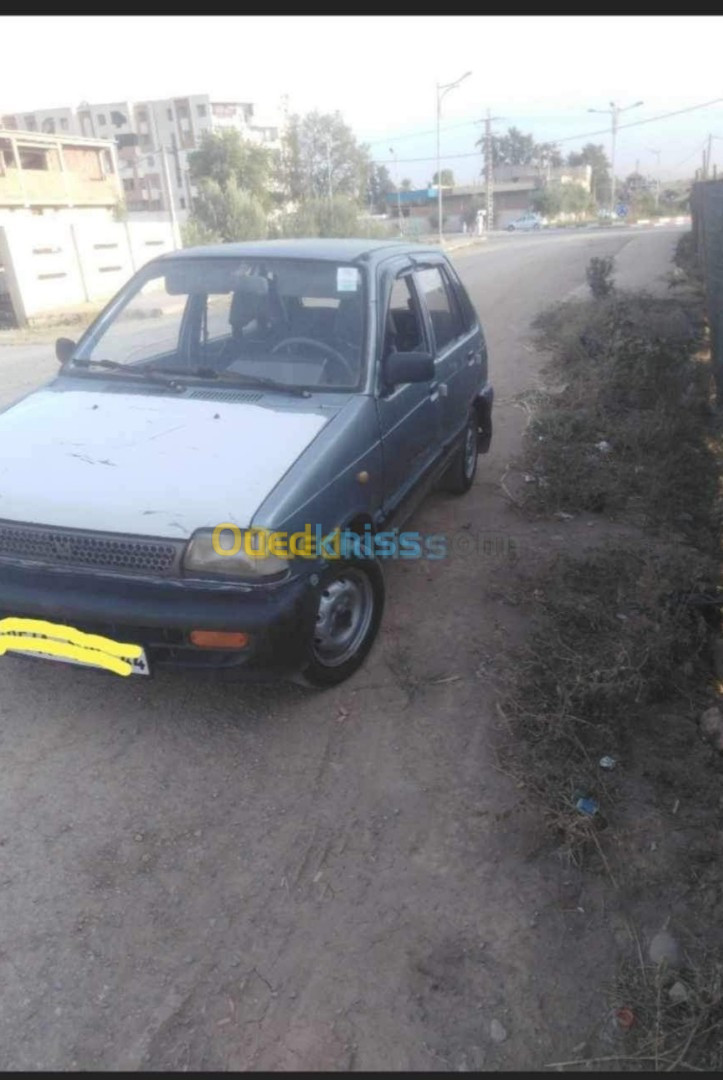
(95, 551)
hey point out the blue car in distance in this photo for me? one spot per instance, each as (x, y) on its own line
(174, 489)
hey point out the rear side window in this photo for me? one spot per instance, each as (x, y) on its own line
(442, 305)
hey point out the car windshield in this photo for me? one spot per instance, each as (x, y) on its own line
(291, 322)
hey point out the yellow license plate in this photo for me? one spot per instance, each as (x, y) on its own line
(51, 641)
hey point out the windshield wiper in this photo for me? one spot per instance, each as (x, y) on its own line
(125, 369)
(212, 375)
(261, 381)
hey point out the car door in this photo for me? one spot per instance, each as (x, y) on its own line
(457, 350)
(409, 414)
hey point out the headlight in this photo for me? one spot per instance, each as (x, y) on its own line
(232, 552)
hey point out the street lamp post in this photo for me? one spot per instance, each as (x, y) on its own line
(399, 194)
(168, 189)
(656, 154)
(614, 113)
(443, 89)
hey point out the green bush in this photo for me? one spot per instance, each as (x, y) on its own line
(336, 217)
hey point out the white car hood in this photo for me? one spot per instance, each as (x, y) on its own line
(145, 465)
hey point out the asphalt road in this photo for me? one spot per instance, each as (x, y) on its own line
(199, 876)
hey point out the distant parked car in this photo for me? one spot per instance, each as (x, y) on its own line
(276, 388)
(526, 222)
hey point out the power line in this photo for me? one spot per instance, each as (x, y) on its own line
(575, 138)
(419, 134)
(695, 153)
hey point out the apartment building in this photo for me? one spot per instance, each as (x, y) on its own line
(153, 140)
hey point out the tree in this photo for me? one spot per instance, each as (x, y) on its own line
(406, 184)
(557, 198)
(338, 216)
(548, 153)
(446, 181)
(595, 156)
(514, 148)
(548, 201)
(380, 185)
(224, 212)
(224, 156)
(518, 148)
(320, 154)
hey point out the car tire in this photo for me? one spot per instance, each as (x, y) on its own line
(460, 475)
(510, 228)
(348, 616)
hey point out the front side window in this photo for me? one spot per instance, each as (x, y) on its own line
(442, 306)
(403, 328)
(298, 322)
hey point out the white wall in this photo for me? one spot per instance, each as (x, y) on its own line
(51, 266)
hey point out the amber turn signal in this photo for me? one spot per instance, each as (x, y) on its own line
(219, 639)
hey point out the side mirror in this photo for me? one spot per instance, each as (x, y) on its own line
(410, 367)
(64, 349)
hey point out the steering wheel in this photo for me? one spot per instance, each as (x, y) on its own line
(331, 352)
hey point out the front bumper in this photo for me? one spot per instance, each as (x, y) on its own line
(159, 615)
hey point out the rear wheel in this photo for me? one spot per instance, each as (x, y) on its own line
(463, 468)
(348, 615)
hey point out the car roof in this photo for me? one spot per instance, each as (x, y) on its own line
(351, 250)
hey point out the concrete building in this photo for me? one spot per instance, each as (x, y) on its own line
(154, 139)
(513, 194)
(61, 247)
(46, 174)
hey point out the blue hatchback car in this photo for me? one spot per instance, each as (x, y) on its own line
(176, 490)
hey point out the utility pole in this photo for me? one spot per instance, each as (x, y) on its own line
(441, 91)
(656, 154)
(707, 156)
(614, 112)
(488, 172)
(169, 196)
(399, 194)
(328, 169)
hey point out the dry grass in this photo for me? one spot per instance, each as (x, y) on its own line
(616, 632)
(671, 1034)
(628, 432)
(619, 661)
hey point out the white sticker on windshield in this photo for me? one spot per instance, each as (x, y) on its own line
(347, 279)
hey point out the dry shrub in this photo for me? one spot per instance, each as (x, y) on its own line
(630, 429)
(679, 1033)
(616, 632)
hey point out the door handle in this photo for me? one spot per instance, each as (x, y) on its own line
(437, 390)
(472, 357)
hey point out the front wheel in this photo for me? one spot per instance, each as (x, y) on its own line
(348, 616)
(463, 467)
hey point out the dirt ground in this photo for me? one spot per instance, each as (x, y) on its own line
(204, 876)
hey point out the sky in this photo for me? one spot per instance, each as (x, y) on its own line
(540, 73)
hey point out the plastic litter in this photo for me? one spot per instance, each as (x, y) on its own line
(603, 446)
(625, 1017)
(587, 806)
(607, 762)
